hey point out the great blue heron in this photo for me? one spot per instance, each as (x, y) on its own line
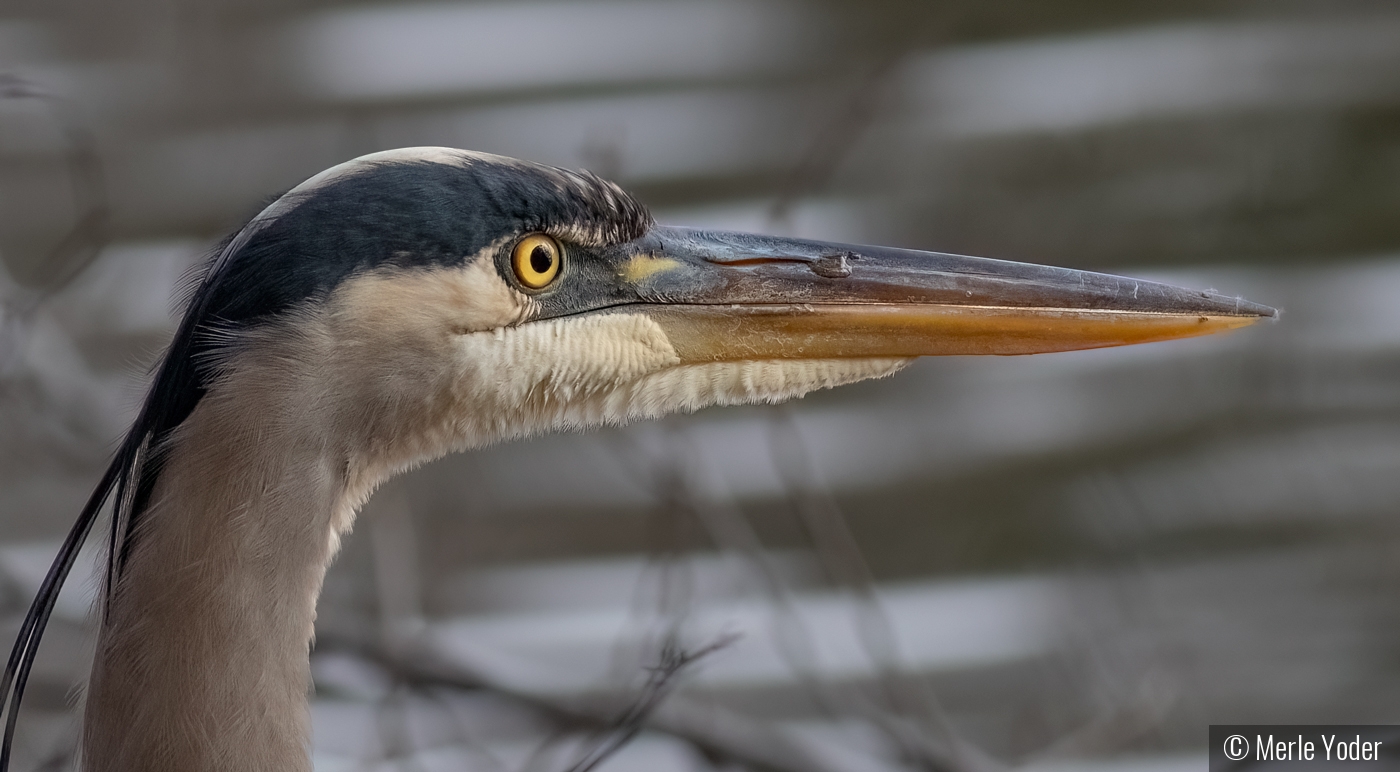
(416, 302)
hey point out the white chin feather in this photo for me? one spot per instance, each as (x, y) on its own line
(592, 370)
(687, 388)
(690, 387)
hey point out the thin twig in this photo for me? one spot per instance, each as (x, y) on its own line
(711, 728)
(90, 232)
(851, 117)
(661, 680)
(906, 692)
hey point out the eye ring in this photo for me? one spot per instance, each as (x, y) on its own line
(535, 260)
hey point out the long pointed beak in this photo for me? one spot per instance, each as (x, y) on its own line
(734, 296)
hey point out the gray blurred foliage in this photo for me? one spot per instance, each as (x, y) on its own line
(1051, 563)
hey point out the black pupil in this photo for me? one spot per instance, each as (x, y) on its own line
(541, 259)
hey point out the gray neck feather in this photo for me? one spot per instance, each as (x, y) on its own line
(202, 660)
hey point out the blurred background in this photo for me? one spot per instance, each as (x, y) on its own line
(1075, 561)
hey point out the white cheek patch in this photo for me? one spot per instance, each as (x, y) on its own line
(585, 371)
(411, 304)
(556, 372)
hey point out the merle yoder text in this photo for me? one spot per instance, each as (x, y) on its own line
(1326, 748)
(1367, 747)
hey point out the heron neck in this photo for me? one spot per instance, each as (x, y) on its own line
(202, 662)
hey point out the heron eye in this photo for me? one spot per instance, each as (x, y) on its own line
(536, 260)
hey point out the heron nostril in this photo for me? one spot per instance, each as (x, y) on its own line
(832, 266)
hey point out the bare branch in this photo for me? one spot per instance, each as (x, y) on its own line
(630, 722)
(90, 231)
(904, 691)
(711, 728)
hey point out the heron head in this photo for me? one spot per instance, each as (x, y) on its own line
(419, 301)
(426, 300)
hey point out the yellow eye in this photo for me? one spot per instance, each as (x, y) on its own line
(536, 260)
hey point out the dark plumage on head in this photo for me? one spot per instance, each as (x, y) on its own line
(407, 211)
(413, 208)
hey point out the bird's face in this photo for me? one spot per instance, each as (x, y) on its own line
(455, 299)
